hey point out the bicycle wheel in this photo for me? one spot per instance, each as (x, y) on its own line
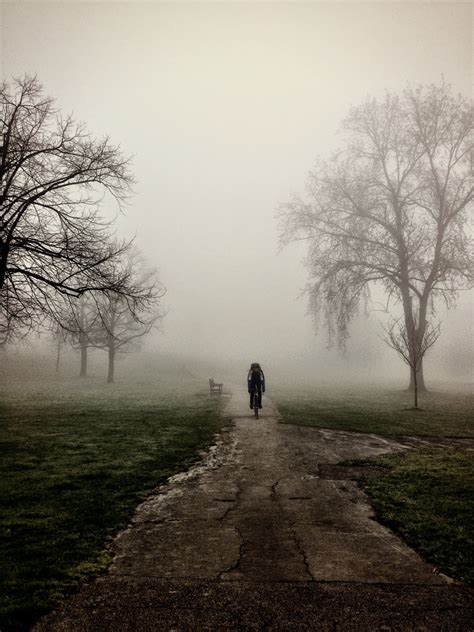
(255, 403)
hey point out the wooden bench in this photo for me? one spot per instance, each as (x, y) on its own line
(214, 387)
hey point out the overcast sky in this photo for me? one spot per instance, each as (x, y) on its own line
(225, 107)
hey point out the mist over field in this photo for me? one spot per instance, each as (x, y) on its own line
(188, 188)
(225, 108)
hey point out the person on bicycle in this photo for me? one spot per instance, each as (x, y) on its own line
(256, 378)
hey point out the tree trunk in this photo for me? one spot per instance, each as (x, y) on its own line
(415, 386)
(418, 332)
(58, 356)
(420, 380)
(3, 261)
(110, 376)
(111, 344)
(84, 347)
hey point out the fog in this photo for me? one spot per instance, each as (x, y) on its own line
(225, 107)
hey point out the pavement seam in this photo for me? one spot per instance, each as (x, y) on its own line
(213, 580)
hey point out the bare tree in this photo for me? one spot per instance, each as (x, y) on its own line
(59, 336)
(121, 322)
(53, 241)
(121, 331)
(79, 324)
(410, 347)
(390, 210)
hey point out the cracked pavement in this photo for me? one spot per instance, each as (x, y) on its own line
(259, 536)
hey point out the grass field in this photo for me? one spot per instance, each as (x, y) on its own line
(75, 461)
(426, 497)
(388, 413)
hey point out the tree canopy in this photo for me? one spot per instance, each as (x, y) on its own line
(54, 243)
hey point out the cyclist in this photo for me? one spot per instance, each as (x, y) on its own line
(256, 378)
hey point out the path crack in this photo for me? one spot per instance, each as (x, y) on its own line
(273, 489)
(302, 552)
(235, 502)
(298, 544)
(236, 564)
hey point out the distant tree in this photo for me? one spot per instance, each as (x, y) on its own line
(53, 242)
(59, 336)
(391, 210)
(411, 347)
(121, 324)
(79, 324)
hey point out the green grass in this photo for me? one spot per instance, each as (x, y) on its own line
(75, 461)
(386, 413)
(426, 497)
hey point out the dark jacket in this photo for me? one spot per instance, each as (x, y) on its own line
(255, 378)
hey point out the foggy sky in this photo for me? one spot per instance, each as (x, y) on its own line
(225, 107)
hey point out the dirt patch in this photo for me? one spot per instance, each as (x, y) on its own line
(350, 472)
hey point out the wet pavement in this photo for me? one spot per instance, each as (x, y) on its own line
(259, 536)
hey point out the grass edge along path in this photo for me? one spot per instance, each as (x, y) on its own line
(425, 497)
(386, 413)
(71, 475)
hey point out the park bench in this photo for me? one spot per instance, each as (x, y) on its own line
(214, 387)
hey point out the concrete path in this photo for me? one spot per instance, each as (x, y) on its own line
(266, 534)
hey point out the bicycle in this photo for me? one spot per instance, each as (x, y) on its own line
(255, 401)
